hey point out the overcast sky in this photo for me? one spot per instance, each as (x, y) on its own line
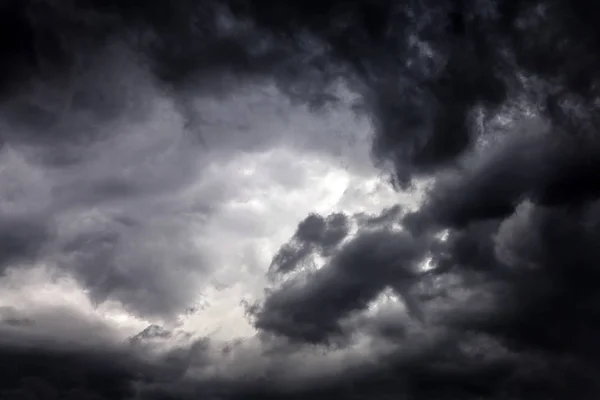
(284, 200)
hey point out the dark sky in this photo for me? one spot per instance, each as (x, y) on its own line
(299, 199)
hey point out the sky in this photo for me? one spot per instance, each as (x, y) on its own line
(238, 199)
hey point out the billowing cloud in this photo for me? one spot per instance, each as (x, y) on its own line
(353, 278)
(159, 157)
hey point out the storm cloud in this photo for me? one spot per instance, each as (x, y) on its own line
(399, 195)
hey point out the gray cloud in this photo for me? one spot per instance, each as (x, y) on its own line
(314, 234)
(105, 178)
(112, 116)
(107, 215)
(310, 306)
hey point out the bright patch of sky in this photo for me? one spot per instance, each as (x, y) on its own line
(253, 199)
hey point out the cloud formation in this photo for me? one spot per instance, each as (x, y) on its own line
(121, 126)
(353, 278)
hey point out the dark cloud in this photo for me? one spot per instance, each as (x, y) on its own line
(49, 374)
(436, 74)
(530, 164)
(314, 234)
(311, 306)
(61, 354)
(516, 207)
(515, 300)
(100, 140)
(21, 241)
(423, 84)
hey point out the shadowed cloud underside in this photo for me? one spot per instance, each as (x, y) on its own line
(237, 199)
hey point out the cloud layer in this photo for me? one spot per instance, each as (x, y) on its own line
(154, 152)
